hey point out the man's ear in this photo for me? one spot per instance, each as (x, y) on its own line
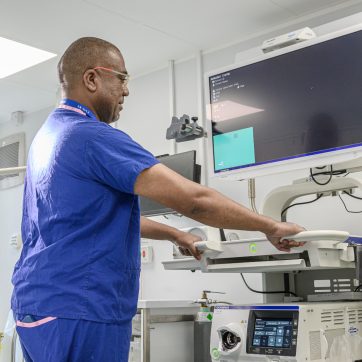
(90, 80)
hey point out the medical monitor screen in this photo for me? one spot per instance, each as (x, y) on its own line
(272, 332)
(183, 163)
(297, 104)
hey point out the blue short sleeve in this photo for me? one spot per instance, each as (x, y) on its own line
(115, 159)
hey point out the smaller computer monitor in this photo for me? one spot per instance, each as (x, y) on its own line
(183, 163)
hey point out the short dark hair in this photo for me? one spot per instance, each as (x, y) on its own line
(83, 54)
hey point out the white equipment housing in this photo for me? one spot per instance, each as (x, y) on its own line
(259, 255)
(327, 249)
(287, 332)
(325, 273)
(285, 40)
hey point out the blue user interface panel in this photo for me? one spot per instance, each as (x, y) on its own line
(234, 148)
(270, 332)
(273, 332)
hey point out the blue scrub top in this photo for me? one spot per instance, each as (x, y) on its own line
(81, 222)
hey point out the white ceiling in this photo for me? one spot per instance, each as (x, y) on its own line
(149, 33)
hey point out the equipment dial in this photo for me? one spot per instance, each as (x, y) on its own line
(229, 340)
(198, 232)
(233, 236)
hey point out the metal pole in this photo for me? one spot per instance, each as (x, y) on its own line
(12, 170)
(251, 193)
(172, 95)
(201, 114)
(145, 335)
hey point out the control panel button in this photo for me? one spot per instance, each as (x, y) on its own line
(215, 354)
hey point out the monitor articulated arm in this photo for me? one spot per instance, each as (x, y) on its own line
(280, 198)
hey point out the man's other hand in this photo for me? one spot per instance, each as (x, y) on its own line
(282, 229)
(186, 244)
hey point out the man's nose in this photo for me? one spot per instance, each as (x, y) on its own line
(125, 91)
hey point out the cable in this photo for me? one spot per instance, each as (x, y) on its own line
(335, 173)
(262, 292)
(358, 288)
(222, 235)
(321, 173)
(330, 173)
(300, 203)
(344, 204)
(355, 197)
(251, 194)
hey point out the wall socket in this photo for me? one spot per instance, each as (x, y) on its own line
(16, 241)
(146, 254)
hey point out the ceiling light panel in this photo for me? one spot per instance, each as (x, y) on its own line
(17, 56)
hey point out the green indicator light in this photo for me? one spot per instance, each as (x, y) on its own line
(215, 353)
(252, 248)
(209, 316)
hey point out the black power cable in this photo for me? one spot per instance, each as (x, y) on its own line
(358, 288)
(300, 203)
(262, 292)
(355, 197)
(222, 234)
(345, 206)
(331, 173)
(312, 175)
(334, 172)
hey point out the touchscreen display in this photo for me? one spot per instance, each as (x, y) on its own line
(271, 332)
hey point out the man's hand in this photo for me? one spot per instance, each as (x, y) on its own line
(282, 229)
(185, 242)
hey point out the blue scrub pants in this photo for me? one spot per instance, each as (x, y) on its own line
(47, 339)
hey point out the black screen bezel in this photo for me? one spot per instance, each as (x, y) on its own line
(151, 208)
(275, 314)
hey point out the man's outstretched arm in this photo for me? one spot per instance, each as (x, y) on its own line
(208, 206)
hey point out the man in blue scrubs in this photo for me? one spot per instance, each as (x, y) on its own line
(76, 282)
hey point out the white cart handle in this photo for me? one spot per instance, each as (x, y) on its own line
(318, 235)
(214, 246)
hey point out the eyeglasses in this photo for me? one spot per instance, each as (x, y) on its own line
(123, 77)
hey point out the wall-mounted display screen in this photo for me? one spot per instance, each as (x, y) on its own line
(300, 104)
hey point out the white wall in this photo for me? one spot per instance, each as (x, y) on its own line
(10, 211)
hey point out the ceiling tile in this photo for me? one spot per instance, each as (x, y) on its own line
(202, 24)
(303, 7)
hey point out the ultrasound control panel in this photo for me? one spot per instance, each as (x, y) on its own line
(272, 332)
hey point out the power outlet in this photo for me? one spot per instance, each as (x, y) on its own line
(146, 254)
